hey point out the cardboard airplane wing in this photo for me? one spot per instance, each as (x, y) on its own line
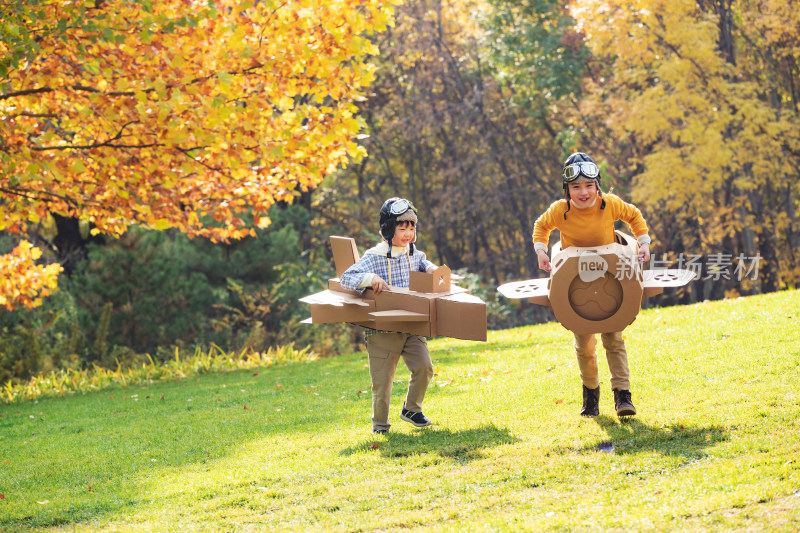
(536, 290)
(430, 306)
(598, 289)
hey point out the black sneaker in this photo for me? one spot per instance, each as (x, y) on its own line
(591, 401)
(380, 431)
(418, 419)
(623, 403)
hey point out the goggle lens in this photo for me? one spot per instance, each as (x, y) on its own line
(400, 206)
(571, 172)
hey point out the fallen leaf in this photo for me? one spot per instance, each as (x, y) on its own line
(278, 386)
(375, 445)
(560, 400)
(245, 407)
(2, 496)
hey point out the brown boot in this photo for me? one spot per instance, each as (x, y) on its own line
(623, 403)
(591, 401)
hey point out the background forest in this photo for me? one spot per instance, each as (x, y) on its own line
(690, 107)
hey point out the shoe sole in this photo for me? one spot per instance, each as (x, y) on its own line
(626, 411)
(404, 417)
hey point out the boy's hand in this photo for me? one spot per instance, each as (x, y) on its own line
(644, 252)
(379, 285)
(544, 261)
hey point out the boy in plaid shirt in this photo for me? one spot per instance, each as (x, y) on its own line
(389, 265)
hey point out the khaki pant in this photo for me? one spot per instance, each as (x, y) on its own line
(385, 350)
(615, 354)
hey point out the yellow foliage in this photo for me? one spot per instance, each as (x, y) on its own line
(700, 120)
(153, 112)
(186, 115)
(23, 283)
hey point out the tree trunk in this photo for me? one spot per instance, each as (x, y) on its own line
(70, 242)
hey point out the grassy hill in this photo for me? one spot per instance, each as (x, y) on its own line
(716, 444)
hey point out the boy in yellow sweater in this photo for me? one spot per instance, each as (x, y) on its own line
(586, 218)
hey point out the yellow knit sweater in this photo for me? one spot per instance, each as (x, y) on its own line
(588, 227)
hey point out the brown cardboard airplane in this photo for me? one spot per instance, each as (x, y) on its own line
(597, 289)
(430, 306)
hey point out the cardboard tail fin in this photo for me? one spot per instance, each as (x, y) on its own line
(345, 253)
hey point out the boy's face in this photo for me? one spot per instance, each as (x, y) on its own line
(404, 233)
(583, 193)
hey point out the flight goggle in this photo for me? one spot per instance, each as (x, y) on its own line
(571, 172)
(401, 206)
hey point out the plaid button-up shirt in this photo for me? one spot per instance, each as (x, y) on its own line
(394, 271)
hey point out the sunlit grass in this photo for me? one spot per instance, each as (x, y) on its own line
(182, 365)
(715, 445)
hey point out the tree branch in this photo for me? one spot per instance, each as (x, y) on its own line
(26, 92)
(109, 143)
(37, 195)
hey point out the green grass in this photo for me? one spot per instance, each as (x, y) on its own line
(716, 444)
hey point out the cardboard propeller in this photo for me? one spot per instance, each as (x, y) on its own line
(598, 289)
(430, 306)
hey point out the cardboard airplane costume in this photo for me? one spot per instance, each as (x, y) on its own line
(596, 289)
(430, 306)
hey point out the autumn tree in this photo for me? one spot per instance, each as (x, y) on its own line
(697, 120)
(538, 56)
(442, 133)
(174, 114)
